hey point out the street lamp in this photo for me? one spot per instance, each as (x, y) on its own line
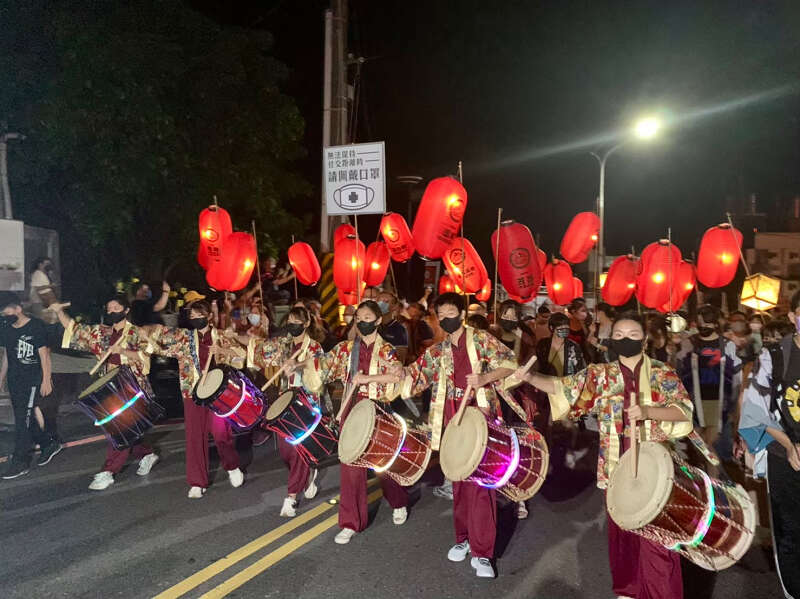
(643, 129)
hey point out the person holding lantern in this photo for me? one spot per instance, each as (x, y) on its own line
(466, 358)
(275, 352)
(639, 568)
(128, 343)
(364, 363)
(195, 349)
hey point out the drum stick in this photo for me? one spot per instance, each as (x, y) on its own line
(463, 406)
(345, 401)
(634, 442)
(523, 370)
(208, 363)
(281, 370)
(105, 356)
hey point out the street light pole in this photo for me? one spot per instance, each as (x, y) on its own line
(601, 210)
(5, 189)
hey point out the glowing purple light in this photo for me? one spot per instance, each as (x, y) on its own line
(512, 465)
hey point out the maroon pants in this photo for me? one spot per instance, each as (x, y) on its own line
(353, 496)
(298, 469)
(116, 458)
(201, 421)
(642, 569)
(475, 517)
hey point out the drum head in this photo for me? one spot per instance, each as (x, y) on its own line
(207, 388)
(635, 502)
(463, 446)
(279, 405)
(99, 382)
(357, 432)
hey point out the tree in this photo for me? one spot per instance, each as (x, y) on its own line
(136, 115)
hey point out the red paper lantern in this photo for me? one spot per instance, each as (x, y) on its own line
(581, 237)
(202, 257)
(560, 286)
(518, 261)
(485, 293)
(350, 298)
(348, 263)
(214, 225)
(621, 280)
(658, 268)
(305, 264)
(577, 287)
(377, 263)
(465, 265)
(684, 284)
(718, 258)
(234, 269)
(398, 237)
(446, 284)
(343, 232)
(439, 217)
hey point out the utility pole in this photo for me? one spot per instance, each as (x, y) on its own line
(334, 95)
(6, 190)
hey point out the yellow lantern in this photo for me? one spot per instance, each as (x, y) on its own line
(761, 292)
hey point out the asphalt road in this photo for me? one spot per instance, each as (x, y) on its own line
(143, 538)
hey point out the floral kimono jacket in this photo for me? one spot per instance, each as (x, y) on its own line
(263, 354)
(183, 344)
(599, 389)
(336, 366)
(434, 369)
(96, 338)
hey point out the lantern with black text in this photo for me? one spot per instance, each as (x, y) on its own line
(517, 260)
(658, 267)
(348, 263)
(485, 293)
(397, 235)
(439, 217)
(377, 263)
(581, 237)
(560, 286)
(305, 264)
(343, 232)
(233, 270)
(214, 225)
(465, 265)
(621, 280)
(718, 258)
(684, 284)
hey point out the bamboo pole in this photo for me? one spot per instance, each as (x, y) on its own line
(496, 259)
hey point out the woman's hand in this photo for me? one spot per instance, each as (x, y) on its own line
(636, 413)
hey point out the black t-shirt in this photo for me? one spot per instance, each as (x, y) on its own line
(709, 356)
(142, 314)
(793, 369)
(22, 349)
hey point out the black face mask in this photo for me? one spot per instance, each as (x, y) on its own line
(627, 347)
(366, 328)
(508, 325)
(115, 317)
(450, 325)
(198, 323)
(295, 329)
(706, 331)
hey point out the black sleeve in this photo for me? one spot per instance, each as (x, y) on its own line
(40, 334)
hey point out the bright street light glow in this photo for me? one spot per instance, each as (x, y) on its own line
(647, 128)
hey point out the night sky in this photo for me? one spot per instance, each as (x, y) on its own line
(502, 86)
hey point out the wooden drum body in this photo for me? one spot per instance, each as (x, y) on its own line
(374, 438)
(681, 507)
(297, 417)
(231, 395)
(512, 460)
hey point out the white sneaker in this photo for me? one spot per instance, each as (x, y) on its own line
(146, 464)
(288, 511)
(102, 480)
(196, 493)
(522, 510)
(400, 515)
(483, 567)
(344, 536)
(236, 477)
(445, 491)
(311, 489)
(458, 552)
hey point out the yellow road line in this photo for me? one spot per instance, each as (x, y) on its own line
(237, 580)
(238, 555)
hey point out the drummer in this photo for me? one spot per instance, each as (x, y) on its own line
(192, 348)
(474, 358)
(97, 339)
(365, 362)
(273, 353)
(639, 567)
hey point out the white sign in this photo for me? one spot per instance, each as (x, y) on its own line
(12, 255)
(355, 178)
